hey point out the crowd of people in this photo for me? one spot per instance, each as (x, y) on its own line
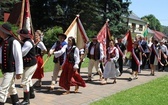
(22, 58)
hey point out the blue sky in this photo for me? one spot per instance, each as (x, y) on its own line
(158, 8)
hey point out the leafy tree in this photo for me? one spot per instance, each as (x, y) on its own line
(165, 30)
(114, 10)
(154, 23)
(50, 36)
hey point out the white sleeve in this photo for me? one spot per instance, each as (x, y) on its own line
(26, 48)
(60, 52)
(116, 56)
(42, 46)
(52, 48)
(101, 52)
(166, 51)
(76, 58)
(17, 53)
(0, 54)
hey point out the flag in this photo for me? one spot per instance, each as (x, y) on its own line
(25, 18)
(103, 36)
(77, 31)
(127, 40)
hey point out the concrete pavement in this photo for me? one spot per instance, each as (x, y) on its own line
(92, 92)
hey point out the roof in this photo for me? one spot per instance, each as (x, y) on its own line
(159, 35)
(135, 17)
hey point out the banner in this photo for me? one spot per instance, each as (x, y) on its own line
(104, 36)
(77, 31)
(127, 40)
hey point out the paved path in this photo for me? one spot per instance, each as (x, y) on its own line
(92, 92)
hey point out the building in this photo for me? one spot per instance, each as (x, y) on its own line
(136, 24)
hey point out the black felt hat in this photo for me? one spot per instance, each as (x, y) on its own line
(62, 34)
(6, 28)
(24, 33)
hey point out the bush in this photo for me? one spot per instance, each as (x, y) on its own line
(50, 36)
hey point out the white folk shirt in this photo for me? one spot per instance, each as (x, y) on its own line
(41, 46)
(26, 48)
(164, 49)
(63, 50)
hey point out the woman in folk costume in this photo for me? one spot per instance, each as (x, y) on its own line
(70, 76)
(110, 70)
(40, 50)
(155, 55)
(136, 60)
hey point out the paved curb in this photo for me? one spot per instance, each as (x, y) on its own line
(92, 92)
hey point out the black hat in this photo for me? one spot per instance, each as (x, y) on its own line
(62, 35)
(94, 37)
(24, 33)
(6, 28)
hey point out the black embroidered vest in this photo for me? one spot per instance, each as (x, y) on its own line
(8, 62)
(96, 51)
(61, 58)
(29, 59)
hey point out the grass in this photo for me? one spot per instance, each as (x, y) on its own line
(152, 93)
(49, 65)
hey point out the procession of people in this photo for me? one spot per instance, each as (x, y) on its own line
(22, 59)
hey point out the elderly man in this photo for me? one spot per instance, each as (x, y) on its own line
(95, 55)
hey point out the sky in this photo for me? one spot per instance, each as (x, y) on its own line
(158, 8)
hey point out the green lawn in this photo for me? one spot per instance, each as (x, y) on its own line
(152, 93)
(49, 66)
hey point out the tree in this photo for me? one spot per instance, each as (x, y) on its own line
(114, 10)
(154, 23)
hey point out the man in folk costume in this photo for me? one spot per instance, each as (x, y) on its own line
(155, 56)
(95, 54)
(40, 51)
(57, 61)
(164, 55)
(121, 48)
(30, 65)
(12, 65)
(143, 46)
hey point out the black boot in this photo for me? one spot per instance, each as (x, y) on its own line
(26, 99)
(15, 99)
(32, 95)
(1, 103)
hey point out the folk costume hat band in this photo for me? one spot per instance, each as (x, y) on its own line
(24, 33)
(62, 35)
(6, 28)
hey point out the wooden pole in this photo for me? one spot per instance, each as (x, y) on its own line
(22, 14)
(45, 61)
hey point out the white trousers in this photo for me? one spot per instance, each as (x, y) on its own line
(57, 68)
(93, 63)
(27, 77)
(7, 86)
